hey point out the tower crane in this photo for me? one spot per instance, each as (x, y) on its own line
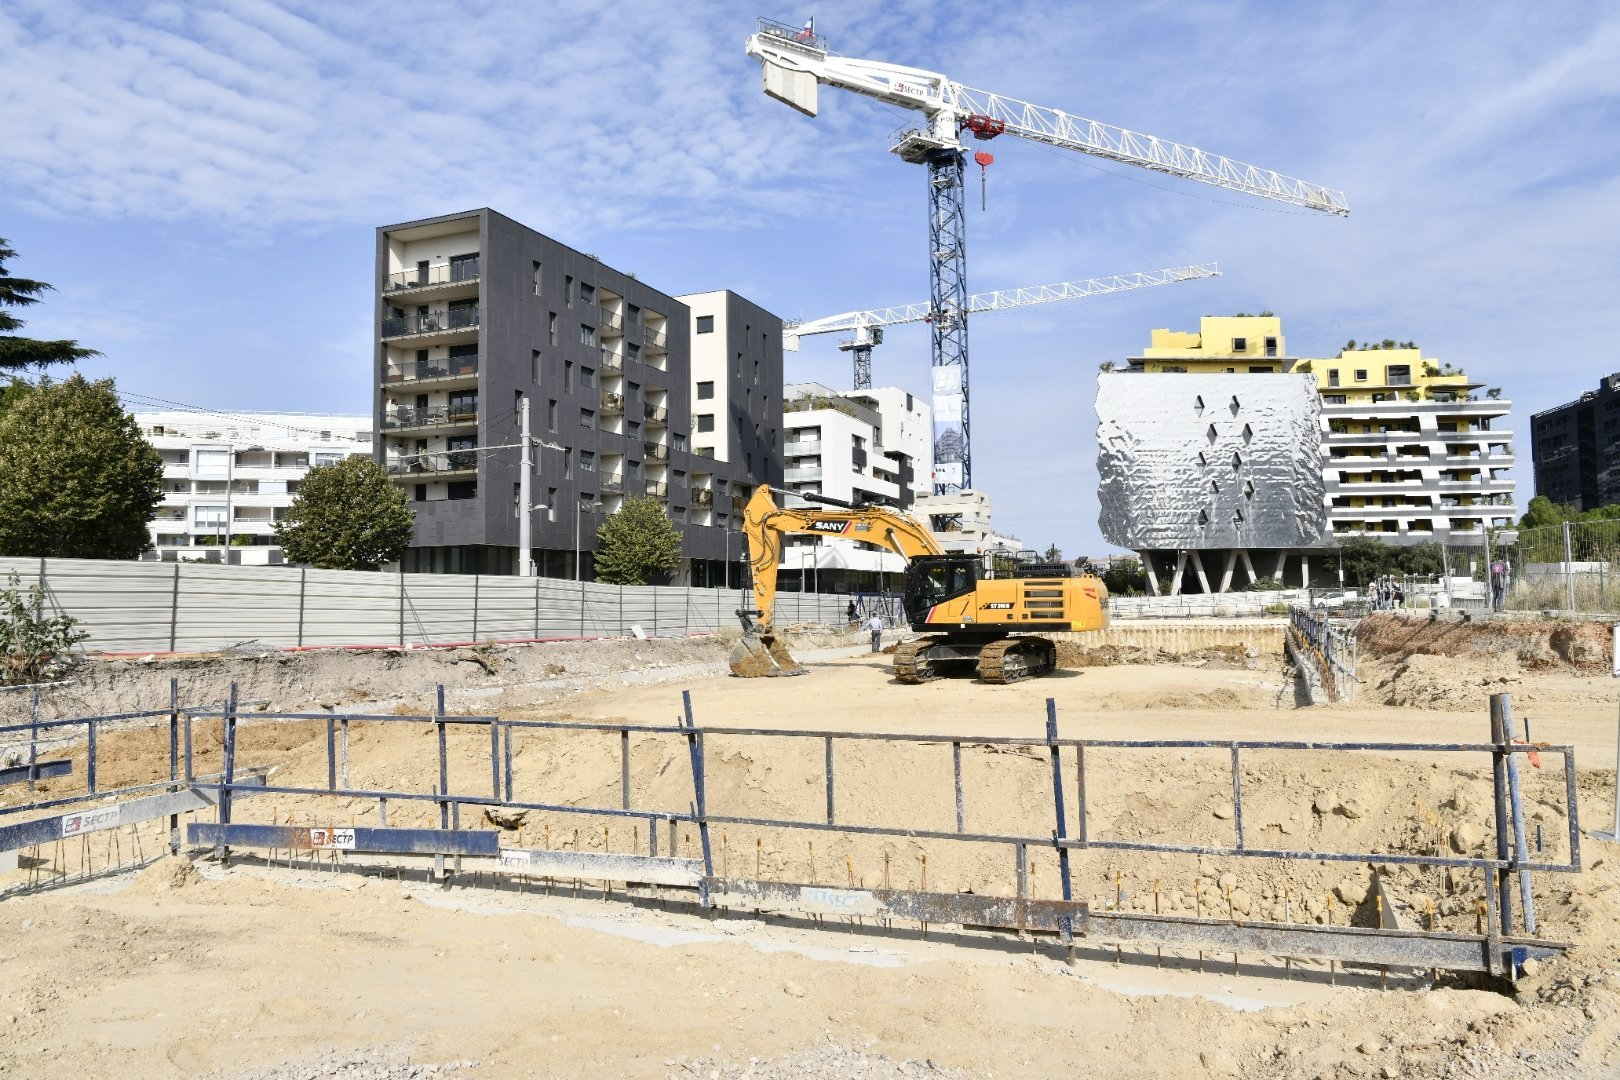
(868, 326)
(795, 62)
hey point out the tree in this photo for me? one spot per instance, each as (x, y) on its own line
(1420, 560)
(348, 516)
(1125, 578)
(1365, 559)
(18, 353)
(1543, 512)
(77, 480)
(636, 543)
(1054, 554)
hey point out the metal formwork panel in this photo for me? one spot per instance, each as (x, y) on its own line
(1209, 461)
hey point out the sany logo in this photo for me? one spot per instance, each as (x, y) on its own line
(827, 526)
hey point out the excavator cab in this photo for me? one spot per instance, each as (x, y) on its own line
(933, 579)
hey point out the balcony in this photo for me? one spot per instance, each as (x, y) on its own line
(459, 322)
(802, 449)
(655, 416)
(612, 404)
(446, 277)
(612, 484)
(455, 371)
(655, 451)
(405, 417)
(702, 497)
(610, 363)
(653, 339)
(801, 475)
(657, 489)
(611, 323)
(443, 465)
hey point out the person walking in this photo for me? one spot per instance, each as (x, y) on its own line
(875, 625)
(850, 614)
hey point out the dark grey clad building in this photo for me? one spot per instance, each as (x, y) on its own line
(1576, 448)
(478, 311)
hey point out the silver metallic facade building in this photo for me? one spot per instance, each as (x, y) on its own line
(1215, 477)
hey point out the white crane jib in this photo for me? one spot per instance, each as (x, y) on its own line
(795, 63)
(867, 326)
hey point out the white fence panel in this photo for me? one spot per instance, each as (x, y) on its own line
(219, 606)
(344, 607)
(438, 607)
(505, 607)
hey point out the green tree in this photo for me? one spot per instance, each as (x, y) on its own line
(1054, 554)
(636, 543)
(348, 516)
(77, 480)
(19, 353)
(1420, 560)
(1125, 578)
(1542, 512)
(1366, 558)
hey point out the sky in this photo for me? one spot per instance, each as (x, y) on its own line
(201, 183)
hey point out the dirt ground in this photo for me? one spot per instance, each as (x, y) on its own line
(180, 970)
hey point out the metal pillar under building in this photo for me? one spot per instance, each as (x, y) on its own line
(947, 249)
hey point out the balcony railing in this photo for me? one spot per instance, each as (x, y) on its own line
(657, 489)
(419, 370)
(456, 318)
(655, 452)
(704, 451)
(425, 466)
(702, 497)
(653, 338)
(612, 404)
(407, 416)
(443, 274)
(611, 322)
(655, 415)
(612, 484)
(610, 363)
(802, 449)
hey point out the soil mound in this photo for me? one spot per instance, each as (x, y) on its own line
(1439, 682)
(1535, 644)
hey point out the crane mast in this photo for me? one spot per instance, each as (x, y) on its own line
(868, 326)
(795, 62)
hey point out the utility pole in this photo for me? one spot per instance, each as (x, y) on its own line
(524, 471)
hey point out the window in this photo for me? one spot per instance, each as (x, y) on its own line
(587, 335)
(1271, 346)
(1333, 399)
(705, 324)
(464, 489)
(323, 457)
(1333, 376)
(551, 504)
(587, 376)
(587, 461)
(1399, 375)
(568, 464)
(537, 279)
(1256, 368)
(552, 326)
(678, 441)
(632, 314)
(587, 294)
(1361, 374)
(705, 391)
(633, 351)
(705, 422)
(534, 361)
(587, 418)
(568, 376)
(551, 415)
(213, 460)
(421, 493)
(568, 289)
(633, 428)
(1240, 344)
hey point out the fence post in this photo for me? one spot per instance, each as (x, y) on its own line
(475, 608)
(303, 578)
(537, 605)
(402, 606)
(654, 589)
(582, 607)
(174, 606)
(1569, 574)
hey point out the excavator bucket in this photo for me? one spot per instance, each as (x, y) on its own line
(763, 656)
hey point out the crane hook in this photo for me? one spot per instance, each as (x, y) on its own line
(985, 159)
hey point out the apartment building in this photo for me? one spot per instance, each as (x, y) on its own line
(960, 522)
(736, 389)
(477, 312)
(862, 446)
(1576, 448)
(1413, 451)
(1408, 450)
(227, 479)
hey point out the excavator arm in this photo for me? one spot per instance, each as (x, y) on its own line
(764, 526)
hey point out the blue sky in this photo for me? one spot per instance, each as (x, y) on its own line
(201, 182)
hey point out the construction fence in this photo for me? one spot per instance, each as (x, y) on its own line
(197, 607)
(1572, 567)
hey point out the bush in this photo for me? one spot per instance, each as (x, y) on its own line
(33, 647)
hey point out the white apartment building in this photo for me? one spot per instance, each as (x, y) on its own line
(227, 479)
(960, 522)
(855, 445)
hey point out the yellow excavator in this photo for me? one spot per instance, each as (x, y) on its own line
(975, 616)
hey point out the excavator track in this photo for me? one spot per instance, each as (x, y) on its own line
(1014, 658)
(911, 665)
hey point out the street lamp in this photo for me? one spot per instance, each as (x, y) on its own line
(580, 506)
